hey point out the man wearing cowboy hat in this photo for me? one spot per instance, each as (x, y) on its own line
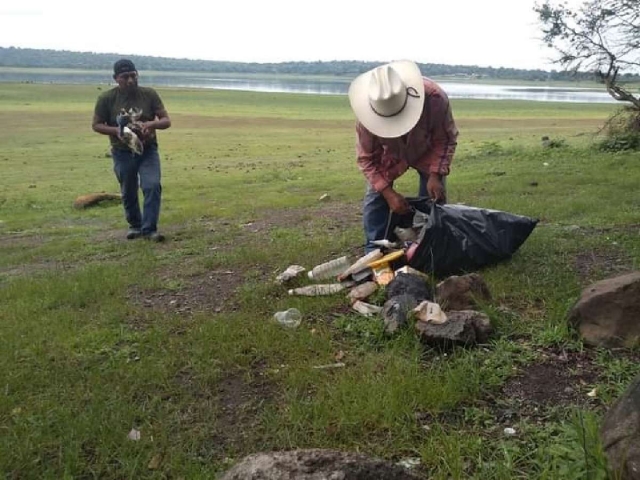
(404, 120)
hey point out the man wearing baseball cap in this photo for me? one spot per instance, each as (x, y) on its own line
(138, 166)
(403, 120)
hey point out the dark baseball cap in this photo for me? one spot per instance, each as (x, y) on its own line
(123, 66)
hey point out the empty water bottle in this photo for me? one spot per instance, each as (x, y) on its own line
(329, 269)
(316, 290)
(290, 318)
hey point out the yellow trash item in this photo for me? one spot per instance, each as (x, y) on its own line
(382, 272)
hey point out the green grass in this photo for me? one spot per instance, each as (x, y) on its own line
(82, 361)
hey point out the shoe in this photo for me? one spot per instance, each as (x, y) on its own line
(154, 237)
(133, 233)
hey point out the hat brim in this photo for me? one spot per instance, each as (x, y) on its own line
(398, 125)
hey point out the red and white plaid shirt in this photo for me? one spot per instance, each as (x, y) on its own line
(428, 147)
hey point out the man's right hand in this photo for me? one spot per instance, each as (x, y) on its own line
(397, 203)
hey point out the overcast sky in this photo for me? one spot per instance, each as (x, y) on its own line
(470, 32)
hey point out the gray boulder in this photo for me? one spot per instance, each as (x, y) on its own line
(315, 465)
(620, 433)
(462, 292)
(396, 312)
(465, 327)
(608, 312)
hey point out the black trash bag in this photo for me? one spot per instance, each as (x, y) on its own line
(460, 239)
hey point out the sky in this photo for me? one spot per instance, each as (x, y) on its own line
(464, 32)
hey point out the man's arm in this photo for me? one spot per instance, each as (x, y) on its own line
(100, 116)
(444, 135)
(162, 121)
(98, 125)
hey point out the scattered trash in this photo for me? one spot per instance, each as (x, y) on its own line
(406, 234)
(430, 312)
(317, 290)
(329, 269)
(410, 463)
(366, 309)
(362, 291)
(593, 393)
(291, 272)
(545, 164)
(510, 432)
(362, 275)
(382, 272)
(324, 197)
(411, 271)
(154, 463)
(386, 244)
(332, 365)
(134, 435)
(361, 264)
(290, 318)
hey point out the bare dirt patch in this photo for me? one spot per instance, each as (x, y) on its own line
(560, 379)
(335, 216)
(241, 399)
(601, 263)
(211, 292)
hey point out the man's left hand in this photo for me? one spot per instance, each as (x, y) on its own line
(435, 188)
(148, 129)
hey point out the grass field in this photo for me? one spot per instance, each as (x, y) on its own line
(99, 336)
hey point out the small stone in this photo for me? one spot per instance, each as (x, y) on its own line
(510, 432)
(134, 435)
(154, 463)
(568, 390)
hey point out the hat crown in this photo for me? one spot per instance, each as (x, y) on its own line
(387, 91)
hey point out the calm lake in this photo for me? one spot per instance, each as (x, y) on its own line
(312, 85)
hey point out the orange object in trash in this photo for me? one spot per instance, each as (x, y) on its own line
(382, 272)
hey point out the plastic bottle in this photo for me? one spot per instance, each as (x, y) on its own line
(361, 264)
(290, 318)
(317, 290)
(329, 269)
(363, 291)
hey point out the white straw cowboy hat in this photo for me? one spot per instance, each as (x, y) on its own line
(388, 100)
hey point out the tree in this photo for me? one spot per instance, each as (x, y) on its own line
(602, 36)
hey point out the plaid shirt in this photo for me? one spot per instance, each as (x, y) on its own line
(428, 147)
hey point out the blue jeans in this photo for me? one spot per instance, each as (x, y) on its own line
(144, 170)
(375, 213)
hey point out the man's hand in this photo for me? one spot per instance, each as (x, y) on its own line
(397, 203)
(435, 188)
(148, 129)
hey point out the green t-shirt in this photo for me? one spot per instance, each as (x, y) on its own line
(109, 104)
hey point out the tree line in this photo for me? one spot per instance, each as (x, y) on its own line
(28, 57)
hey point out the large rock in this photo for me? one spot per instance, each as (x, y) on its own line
(463, 292)
(620, 433)
(608, 312)
(409, 284)
(465, 327)
(315, 465)
(396, 312)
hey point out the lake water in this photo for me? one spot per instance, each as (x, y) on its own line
(321, 87)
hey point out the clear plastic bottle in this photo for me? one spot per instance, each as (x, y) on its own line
(317, 290)
(329, 269)
(290, 318)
